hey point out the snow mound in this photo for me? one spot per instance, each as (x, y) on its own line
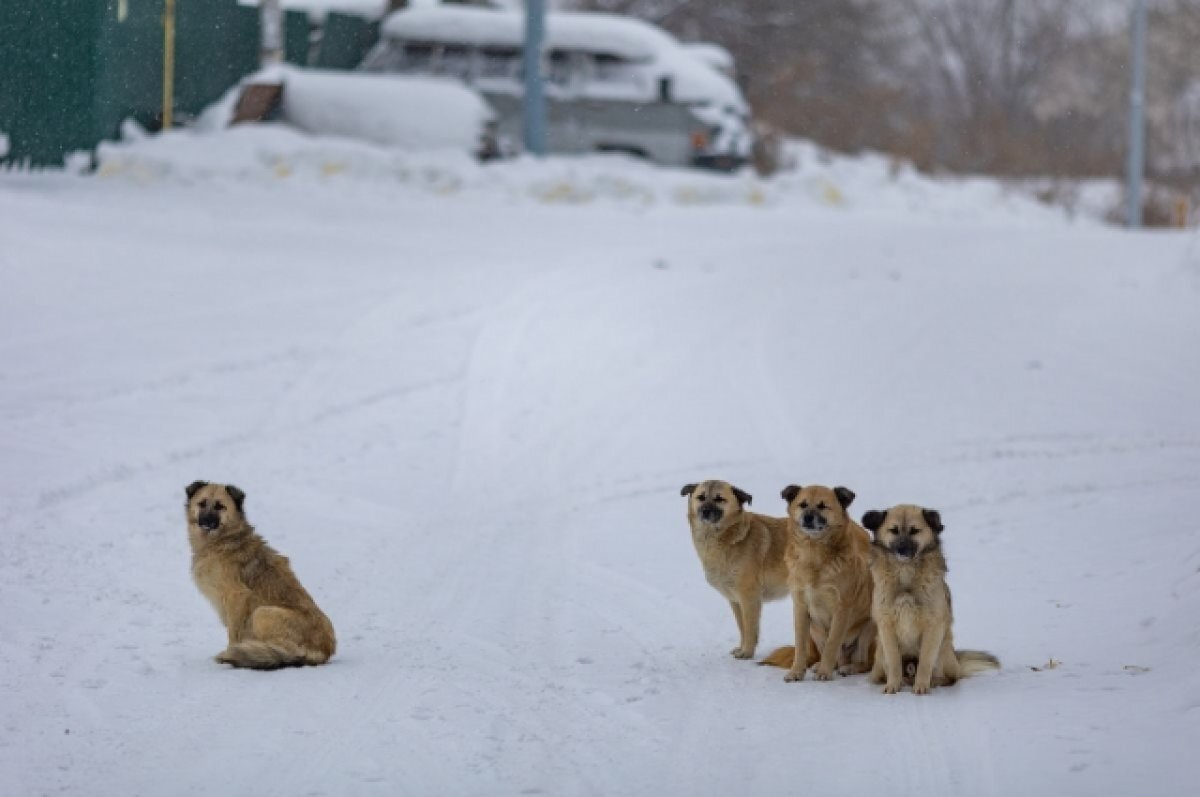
(815, 180)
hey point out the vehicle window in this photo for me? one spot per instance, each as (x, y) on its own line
(455, 61)
(418, 58)
(387, 57)
(609, 68)
(559, 72)
(499, 62)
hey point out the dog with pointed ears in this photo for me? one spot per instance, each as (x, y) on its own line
(830, 583)
(270, 619)
(742, 553)
(911, 606)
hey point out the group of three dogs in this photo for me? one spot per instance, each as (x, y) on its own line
(859, 605)
(861, 602)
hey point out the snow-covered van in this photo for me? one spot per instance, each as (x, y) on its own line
(613, 84)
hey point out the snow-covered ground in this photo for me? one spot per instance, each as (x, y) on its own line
(463, 401)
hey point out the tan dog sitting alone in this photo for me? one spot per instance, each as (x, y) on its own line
(742, 553)
(830, 582)
(912, 608)
(271, 620)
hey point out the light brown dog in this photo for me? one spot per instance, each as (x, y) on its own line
(741, 552)
(272, 622)
(830, 582)
(911, 606)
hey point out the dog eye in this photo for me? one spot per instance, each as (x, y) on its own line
(720, 499)
(913, 532)
(219, 505)
(893, 531)
(804, 504)
(822, 506)
(700, 497)
(203, 504)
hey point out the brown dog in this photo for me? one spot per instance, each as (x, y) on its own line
(828, 576)
(911, 606)
(742, 553)
(271, 620)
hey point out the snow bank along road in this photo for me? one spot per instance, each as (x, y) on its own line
(467, 421)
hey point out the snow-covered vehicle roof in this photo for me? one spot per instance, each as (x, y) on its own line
(694, 80)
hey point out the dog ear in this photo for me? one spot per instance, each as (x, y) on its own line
(845, 496)
(194, 488)
(790, 492)
(742, 496)
(688, 489)
(934, 519)
(237, 495)
(873, 519)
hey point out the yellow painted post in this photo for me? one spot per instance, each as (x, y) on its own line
(168, 91)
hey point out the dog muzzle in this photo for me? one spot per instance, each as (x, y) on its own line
(812, 524)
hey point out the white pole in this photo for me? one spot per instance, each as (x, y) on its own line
(271, 20)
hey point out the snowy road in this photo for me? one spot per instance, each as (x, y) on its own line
(466, 422)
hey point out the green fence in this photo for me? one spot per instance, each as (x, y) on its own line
(72, 70)
(345, 40)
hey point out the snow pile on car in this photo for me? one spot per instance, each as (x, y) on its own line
(658, 53)
(395, 111)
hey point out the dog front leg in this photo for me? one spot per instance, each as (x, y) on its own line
(931, 648)
(889, 647)
(833, 644)
(801, 623)
(877, 671)
(751, 614)
(236, 609)
(741, 624)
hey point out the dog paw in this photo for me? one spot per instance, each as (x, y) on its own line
(920, 689)
(794, 675)
(891, 689)
(742, 653)
(822, 673)
(224, 657)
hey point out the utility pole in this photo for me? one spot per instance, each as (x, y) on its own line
(168, 80)
(533, 103)
(1137, 117)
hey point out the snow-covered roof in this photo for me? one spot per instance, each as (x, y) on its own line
(694, 79)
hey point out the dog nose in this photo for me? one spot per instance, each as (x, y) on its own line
(710, 513)
(209, 520)
(809, 518)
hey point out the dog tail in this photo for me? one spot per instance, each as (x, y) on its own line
(972, 662)
(780, 657)
(256, 655)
